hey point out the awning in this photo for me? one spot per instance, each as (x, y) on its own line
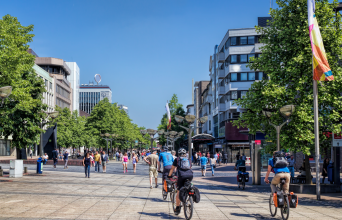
(238, 143)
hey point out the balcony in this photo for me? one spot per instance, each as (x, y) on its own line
(221, 74)
(220, 57)
(221, 90)
(258, 46)
(222, 107)
(208, 99)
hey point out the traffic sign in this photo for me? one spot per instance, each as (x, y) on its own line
(337, 140)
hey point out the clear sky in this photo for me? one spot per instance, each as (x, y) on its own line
(145, 50)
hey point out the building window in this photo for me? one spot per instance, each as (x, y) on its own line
(251, 40)
(50, 85)
(233, 77)
(243, 94)
(209, 125)
(233, 59)
(260, 75)
(243, 58)
(243, 76)
(243, 40)
(233, 41)
(233, 95)
(250, 56)
(251, 76)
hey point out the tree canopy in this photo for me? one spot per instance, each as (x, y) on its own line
(287, 60)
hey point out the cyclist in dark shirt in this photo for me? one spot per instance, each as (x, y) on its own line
(183, 166)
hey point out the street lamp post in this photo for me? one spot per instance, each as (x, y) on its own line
(190, 119)
(286, 111)
(152, 132)
(173, 137)
(52, 115)
(106, 137)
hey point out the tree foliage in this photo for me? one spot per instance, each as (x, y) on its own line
(287, 60)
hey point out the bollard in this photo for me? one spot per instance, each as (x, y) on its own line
(25, 169)
(1, 172)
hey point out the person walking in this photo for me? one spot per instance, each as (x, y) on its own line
(129, 155)
(152, 161)
(325, 169)
(117, 155)
(45, 158)
(195, 158)
(220, 158)
(135, 160)
(292, 163)
(238, 156)
(65, 158)
(97, 158)
(199, 158)
(225, 157)
(55, 157)
(87, 165)
(213, 162)
(125, 162)
(173, 154)
(30, 153)
(104, 159)
(203, 164)
(243, 156)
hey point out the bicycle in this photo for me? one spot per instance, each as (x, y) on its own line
(285, 209)
(242, 176)
(188, 205)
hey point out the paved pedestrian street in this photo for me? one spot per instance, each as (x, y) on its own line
(66, 194)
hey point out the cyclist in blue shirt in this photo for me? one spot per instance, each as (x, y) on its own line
(203, 163)
(279, 174)
(167, 160)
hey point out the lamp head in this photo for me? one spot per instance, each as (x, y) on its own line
(203, 119)
(102, 135)
(287, 110)
(53, 115)
(107, 134)
(181, 133)
(173, 133)
(179, 119)
(5, 91)
(190, 118)
(267, 113)
(143, 132)
(161, 132)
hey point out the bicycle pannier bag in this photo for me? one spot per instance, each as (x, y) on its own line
(275, 201)
(239, 178)
(183, 193)
(167, 186)
(280, 199)
(293, 200)
(197, 196)
(279, 160)
(184, 163)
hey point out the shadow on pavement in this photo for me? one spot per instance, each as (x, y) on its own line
(257, 216)
(159, 215)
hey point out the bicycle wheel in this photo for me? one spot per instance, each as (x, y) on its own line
(164, 193)
(243, 183)
(173, 200)
(273, 209)
(285, 210)
(188, 207)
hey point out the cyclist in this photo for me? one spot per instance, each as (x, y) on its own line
(183, 166)
(279, 165)
(167, 160)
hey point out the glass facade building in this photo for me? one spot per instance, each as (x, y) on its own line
(90, 95)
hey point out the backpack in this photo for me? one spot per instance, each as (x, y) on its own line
(279, 160)
(183, 163)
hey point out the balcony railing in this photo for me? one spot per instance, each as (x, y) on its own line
(221, 73)
(220, 57)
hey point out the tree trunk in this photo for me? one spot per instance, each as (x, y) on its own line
(308, 179)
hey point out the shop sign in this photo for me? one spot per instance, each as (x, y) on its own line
(337, 140)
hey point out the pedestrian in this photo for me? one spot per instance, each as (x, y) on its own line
(117, 155)
(97, 158)
(325, 169)
(65, 158)
(203, 164)
(220, 158)
(104, 159)
(238, 156)
(55, 157)
(87, 165)
(225, 157)
(173, 154)
(121, 155)
(91, 155)
(213, 162)
(152, 161)
(243, 156)
(138, 154)
(129, 155)
(31, 153)
(292, 163)
(195, 157)
(148, 153)
(134, 162)
(199, 158)
(45, 158)
(125, 162)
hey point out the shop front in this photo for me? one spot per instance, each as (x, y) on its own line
(203, 142)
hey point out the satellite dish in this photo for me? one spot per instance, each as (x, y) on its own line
(97, 78)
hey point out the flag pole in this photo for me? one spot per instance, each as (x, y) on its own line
(316, 128)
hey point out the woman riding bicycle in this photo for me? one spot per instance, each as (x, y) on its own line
(183, 166)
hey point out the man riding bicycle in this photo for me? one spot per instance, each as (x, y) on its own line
(167, 160)
(183, 166)
(279, 165)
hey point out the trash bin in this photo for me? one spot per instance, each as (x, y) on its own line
(40, 166)
(331, 173)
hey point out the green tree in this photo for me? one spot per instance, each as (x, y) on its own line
(175, 109)
(23, 110)
(64, 127)
(287, 60)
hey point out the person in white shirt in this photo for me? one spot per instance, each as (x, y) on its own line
(45, 157)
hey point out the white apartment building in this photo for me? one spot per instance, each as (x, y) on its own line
(48, 96)
(74, 79)
(90, 95)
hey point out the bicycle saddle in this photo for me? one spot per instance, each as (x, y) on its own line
(282, 180)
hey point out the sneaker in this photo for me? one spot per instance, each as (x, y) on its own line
(213, 174)
(151, 187)
(202, 175)
(177, 210)
(86, 176)
(156, 186)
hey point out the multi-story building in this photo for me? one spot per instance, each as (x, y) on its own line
(59, 71)
(74, 79)
(123, 107)
(91, 94)
(190, 110)
(198, 99)
(48, 96)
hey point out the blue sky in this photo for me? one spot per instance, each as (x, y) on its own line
(145, 50)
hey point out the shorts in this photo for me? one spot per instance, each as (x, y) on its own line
(181, 180)
(124, 162)
(203, 167)
(153, 172)
(166, 172)
(104, 164)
